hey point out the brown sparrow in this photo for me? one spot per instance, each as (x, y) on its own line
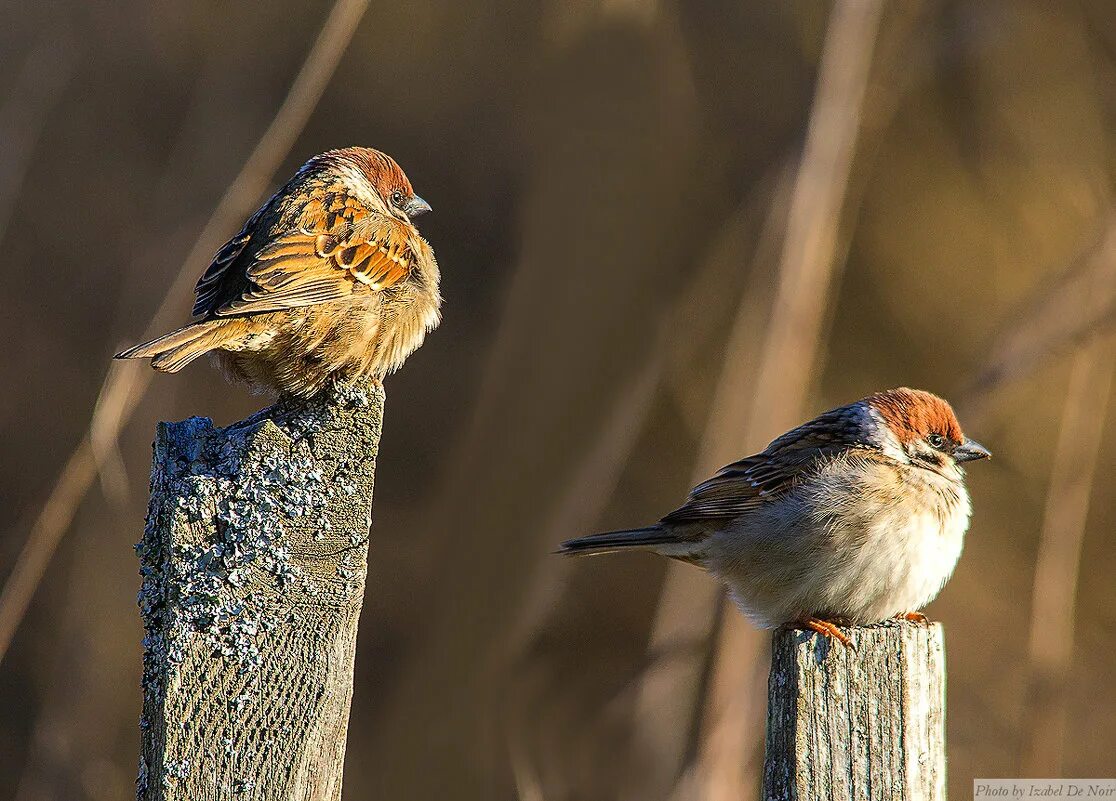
(855, 517)
(328, 280)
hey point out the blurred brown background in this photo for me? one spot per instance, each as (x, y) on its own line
(625, 194)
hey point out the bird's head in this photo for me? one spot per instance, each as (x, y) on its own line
(388, 180)
(924, 432)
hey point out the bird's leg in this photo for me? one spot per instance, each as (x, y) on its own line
(914, 617)
(827, 629)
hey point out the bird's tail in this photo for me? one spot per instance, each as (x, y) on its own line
(171, 352)
(659, 539)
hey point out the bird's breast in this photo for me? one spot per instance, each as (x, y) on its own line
(896, 532)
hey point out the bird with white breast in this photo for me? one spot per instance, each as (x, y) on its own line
(852, 518)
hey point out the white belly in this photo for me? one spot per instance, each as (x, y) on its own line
(914, 555)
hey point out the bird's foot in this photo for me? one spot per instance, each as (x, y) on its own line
(914, 617)
(829, 629)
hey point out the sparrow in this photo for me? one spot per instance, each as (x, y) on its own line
(329, 280)
(854, 517)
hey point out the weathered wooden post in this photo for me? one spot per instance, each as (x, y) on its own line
(847, 724)
(253, 562)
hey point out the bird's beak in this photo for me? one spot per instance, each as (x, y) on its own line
(971, 451)
(416, 206)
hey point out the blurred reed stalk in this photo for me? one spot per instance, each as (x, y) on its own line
(1078, 305)
(125, 386)
(1076, 310)
(786, 365)
(668, 371)
(688, 600)
(670, 690)
(1054, 593)
(587, 492)
(788, 360)
(563, 356)
(39, 87)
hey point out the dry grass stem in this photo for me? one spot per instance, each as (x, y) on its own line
(1053, 599)
(790, 351)
(668, 694)
(38, 88)
(590, 486)
(1064, 313)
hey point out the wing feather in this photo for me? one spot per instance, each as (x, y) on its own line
(207, 292)
(339, 247)
(754, 480)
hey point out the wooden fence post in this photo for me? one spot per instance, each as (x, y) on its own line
(253, 562)
(863, 724)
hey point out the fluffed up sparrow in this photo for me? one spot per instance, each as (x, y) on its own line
(328, 280)
(857, 516)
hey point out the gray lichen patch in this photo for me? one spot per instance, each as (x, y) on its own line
(256, 538)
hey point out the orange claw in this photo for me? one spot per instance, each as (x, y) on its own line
(914, 617)
(827, 629)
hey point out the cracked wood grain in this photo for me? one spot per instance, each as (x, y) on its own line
(848, 724)
(253, 561)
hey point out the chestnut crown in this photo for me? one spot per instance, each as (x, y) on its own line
(925, 426)
(385, 175)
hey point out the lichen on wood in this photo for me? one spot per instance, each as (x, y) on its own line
(253, 563)
(863, 723)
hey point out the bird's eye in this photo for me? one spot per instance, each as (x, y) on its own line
(397, 198)
(936, 441)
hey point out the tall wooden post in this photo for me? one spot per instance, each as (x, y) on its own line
(861, 724)
(253, 563)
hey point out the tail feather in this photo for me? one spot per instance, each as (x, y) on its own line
(171, 352)
(651, 538)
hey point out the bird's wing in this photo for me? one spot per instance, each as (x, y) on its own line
(339, 247)
(207, 292)
(754, 480)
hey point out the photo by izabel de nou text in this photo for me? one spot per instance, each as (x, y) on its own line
(1044, 788)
